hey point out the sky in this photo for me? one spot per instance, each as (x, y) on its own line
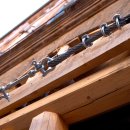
(12, 12)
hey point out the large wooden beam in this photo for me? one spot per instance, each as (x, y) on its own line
(12, 74)
(102, 50)
(109, 102)
(48, 121)
(46, 34)
(109, 85)
(78, 30)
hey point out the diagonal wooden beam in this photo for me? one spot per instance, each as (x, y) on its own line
(23, 66)
(101, 51)
(110, 86)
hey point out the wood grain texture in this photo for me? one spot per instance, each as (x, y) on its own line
(110, 86)
(21, 32)
(82, 28)
(48, 121)
(45, 35)
(109, 102)
(102, 50)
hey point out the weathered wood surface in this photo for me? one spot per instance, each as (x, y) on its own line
(48, 121)
(102, 50)
(21, 32)
(12, 74)
(110, 101)
(45, 35)
(106, 89)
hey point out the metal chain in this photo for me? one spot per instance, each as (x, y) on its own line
(48, 64)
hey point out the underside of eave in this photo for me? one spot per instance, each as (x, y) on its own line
(86, 84)
(44, 35)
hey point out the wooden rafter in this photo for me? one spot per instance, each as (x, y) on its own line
(104, 89)
(98, 89)
(103, 50)
(82, 28)
(45, 35)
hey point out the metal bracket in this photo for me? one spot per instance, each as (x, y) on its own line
(61, 11)
(43, 66)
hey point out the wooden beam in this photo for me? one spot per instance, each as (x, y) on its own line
(21, 33)
(12, 74)
(82, 28)
(45, 35)
(109, 102)
(102, 50)
(48, 121)
(112, 79)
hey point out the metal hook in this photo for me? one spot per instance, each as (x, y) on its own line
(117, 19)
(84, 41)
(105, 30)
